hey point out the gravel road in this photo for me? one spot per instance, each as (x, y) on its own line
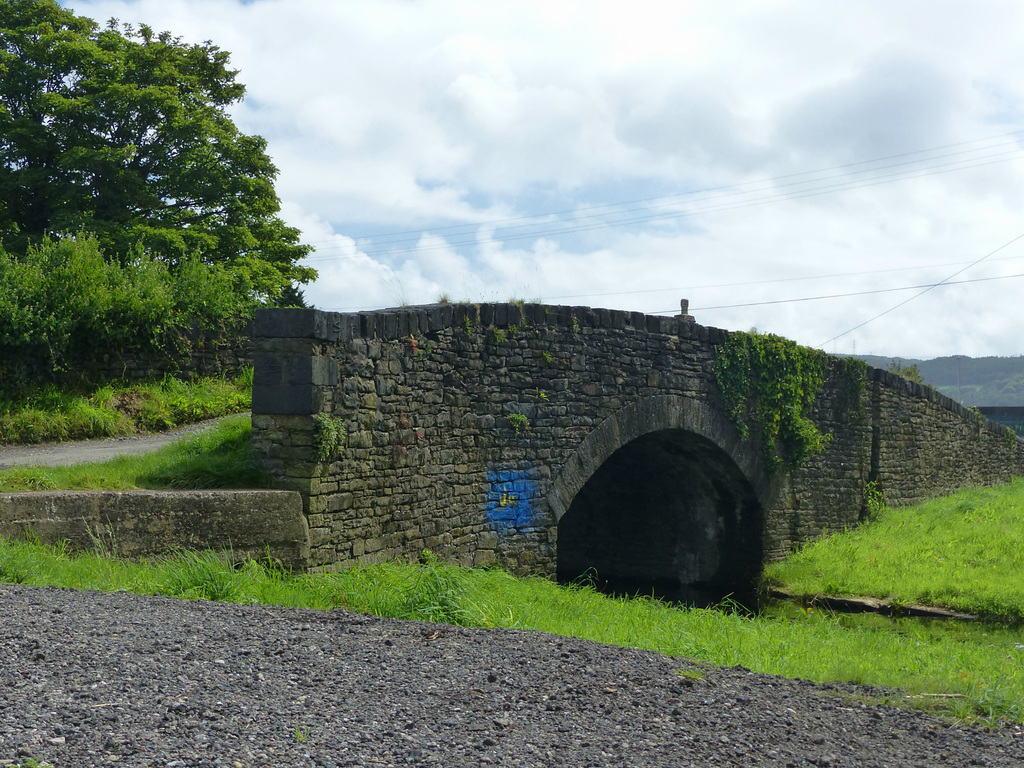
(93, 679)
(81, 451)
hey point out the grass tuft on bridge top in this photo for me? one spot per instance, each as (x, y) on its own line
(962, 552)
(963, 670)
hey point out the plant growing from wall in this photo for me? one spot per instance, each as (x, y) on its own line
(495, 335)
(772, 382)
(853, 375)
(328, 435)
(908, 372)
(874, 500)
(519, 423)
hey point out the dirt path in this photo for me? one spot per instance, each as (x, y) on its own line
(83, 451)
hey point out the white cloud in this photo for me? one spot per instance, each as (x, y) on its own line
(388, 116)
(893, 105)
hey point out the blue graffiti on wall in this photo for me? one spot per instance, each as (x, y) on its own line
(510, 495)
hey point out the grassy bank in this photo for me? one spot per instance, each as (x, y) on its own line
(961, 551)
(51, 415)
(220, 457)
(980, 675)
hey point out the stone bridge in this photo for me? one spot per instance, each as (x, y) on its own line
(571, 441)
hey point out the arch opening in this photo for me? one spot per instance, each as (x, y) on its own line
(670, 514)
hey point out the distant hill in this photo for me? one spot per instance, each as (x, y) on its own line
(968, 380)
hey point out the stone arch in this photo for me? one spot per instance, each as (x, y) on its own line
(663, 497)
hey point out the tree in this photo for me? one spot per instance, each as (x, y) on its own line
(908, 372)
(125, 134)
(292, 296)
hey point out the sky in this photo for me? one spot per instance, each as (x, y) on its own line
(801, 167)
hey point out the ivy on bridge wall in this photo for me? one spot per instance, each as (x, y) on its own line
(773, 382)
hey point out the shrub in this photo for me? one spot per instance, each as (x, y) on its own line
(63, 303)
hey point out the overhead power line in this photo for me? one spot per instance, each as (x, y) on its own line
(746, 283)
(823, 297)
(741, 196)
(664, 199)
(947, 281)
(566, 228)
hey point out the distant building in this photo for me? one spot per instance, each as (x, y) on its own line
(1011, 416)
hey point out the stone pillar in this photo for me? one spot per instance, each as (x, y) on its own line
(684, 312)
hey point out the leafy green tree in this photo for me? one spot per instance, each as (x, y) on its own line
(292, 296)
(908, 372)
(124, 134)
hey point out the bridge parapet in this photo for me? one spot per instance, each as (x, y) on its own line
(925, 444)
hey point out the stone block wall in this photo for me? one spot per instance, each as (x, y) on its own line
(461, 421)
(927, 445)
(202, 353)
(456, 416)
(827, 493)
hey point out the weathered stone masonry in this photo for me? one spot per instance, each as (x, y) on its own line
(551, 438)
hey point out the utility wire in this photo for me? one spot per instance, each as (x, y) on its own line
(747, 283)
(567, 228)
(739, 191)
(926, 290)
(508, 233)
(698, 192)
(928, 286)
(762, 282)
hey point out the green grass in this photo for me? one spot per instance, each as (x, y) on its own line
(975, 673)
(51, 415)
(959, 549)
(220, 457)
(962, 552)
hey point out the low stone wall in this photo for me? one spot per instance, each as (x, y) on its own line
(912, 441)
(925, 444)
(201, 353)
(137, 523)
(827, 492)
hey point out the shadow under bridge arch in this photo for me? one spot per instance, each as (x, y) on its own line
(663, 497)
